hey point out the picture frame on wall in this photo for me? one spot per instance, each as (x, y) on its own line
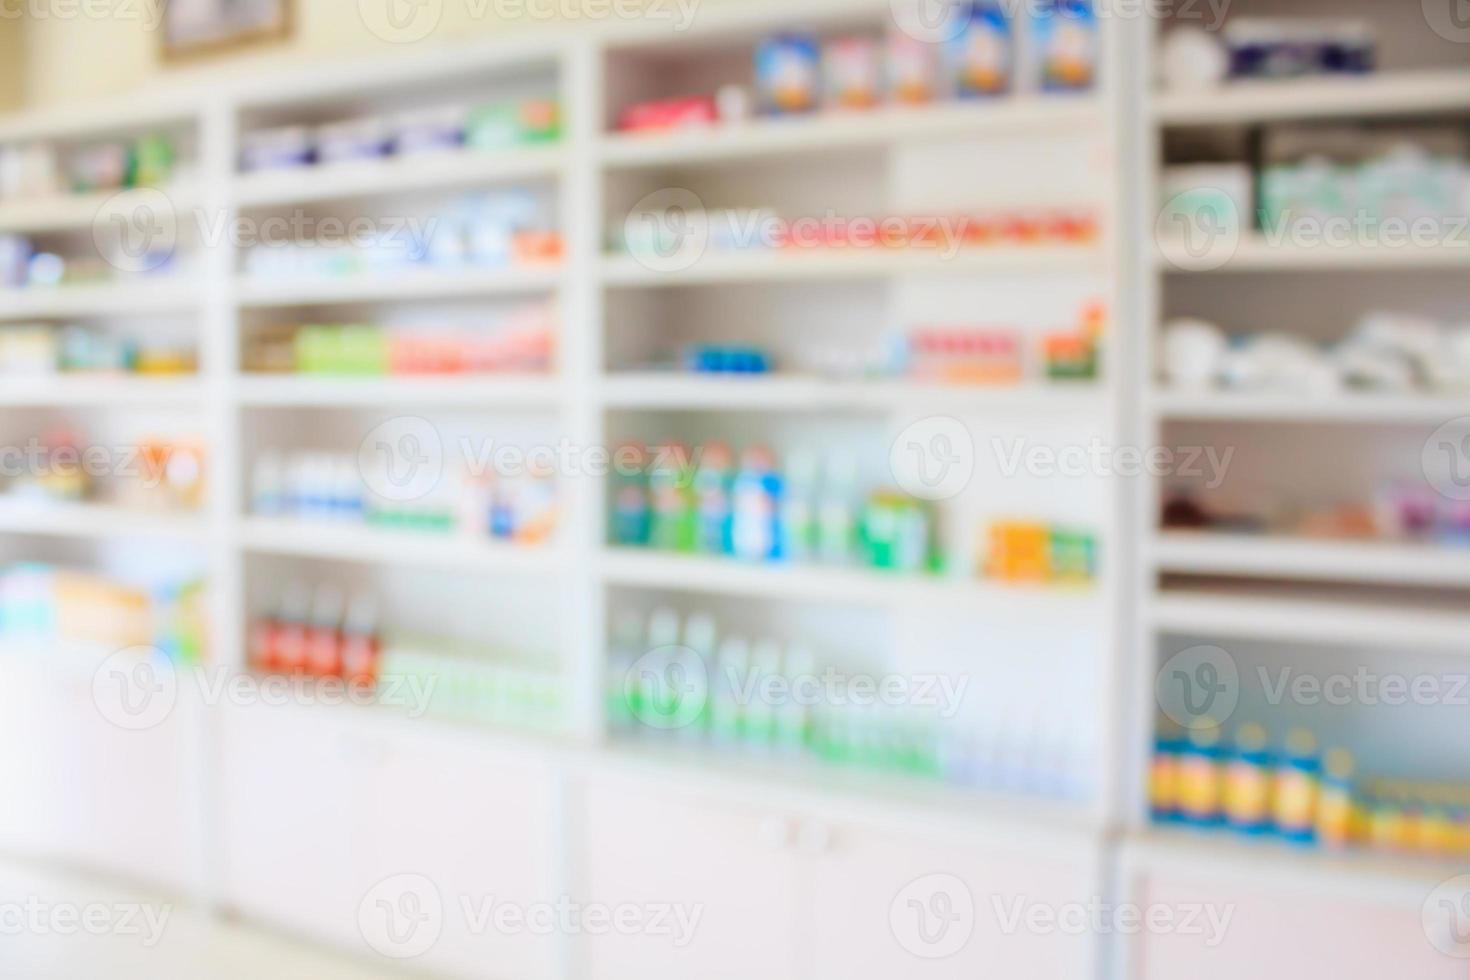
(195, 27)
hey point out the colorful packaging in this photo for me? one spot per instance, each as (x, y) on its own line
(912, 74)
(979, 59)
(1065, 35)
(851, 77)
(755, 534)
(1248, 777)
(1335, 805)
(787, 71)
(670, 498)
(631, 513)
(1200, 786)
(1164, 776)
(712, 500)
(1298, 779)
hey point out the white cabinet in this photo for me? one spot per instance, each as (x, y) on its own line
(333, 815)
(800, 891)
(86, 791)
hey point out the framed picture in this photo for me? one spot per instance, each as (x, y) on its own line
(193, 27)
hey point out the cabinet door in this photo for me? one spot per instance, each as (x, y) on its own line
(899, 903)
(480, 825)
(292, 820)
(1283, 934)
(647, 846)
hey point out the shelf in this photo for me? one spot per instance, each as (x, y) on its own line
(1256, 253)
(317, 390)
(776, 393)
(1345, 407)
(1304, 616)
(1274, 864)
(836, 131)
(396, 286)
(134, 298)
(729, 576)
(814, 265)
(1407, 93)
(99, 390)
(77, 520)
(71, 212)
(394, 175)
(363, 543)
(1281, 556)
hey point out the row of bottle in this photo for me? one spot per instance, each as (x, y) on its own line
(323, 486)
(697, 501)
(677, 681)
(1300, 795)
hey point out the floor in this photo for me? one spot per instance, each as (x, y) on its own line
(63, 926)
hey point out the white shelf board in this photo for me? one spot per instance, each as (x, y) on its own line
(1389, 563)
(389, 287)
(173, 294)
(70, 212)
(317, 390)
(1345, 407)
(1256, 253)
(832, 131)
(775, 393)
(773, 580)
(86, 520)
(813, 265)
(99, 390)
(1285, 616)
(394, 175)
(358, 542)
(1273, 864)
(1403, 93)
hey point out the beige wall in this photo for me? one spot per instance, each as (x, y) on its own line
(12, 65)
(74, 59)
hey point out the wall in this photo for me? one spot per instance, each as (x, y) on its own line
(74, 58)
(12, 64)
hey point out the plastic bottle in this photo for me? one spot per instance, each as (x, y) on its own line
(671, 500)
(837, 512)
(1335, 805)
(700, 635)
(1163, 781)
(712, 493)
(630, 521)
(624, 694)
(755, 501)
(727, 713)
(760, 712)
(1298, 778)
(799, 508)
(324, 639)
(267, 487)
(1248, 782)
(1200, 778)
(792, 729)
